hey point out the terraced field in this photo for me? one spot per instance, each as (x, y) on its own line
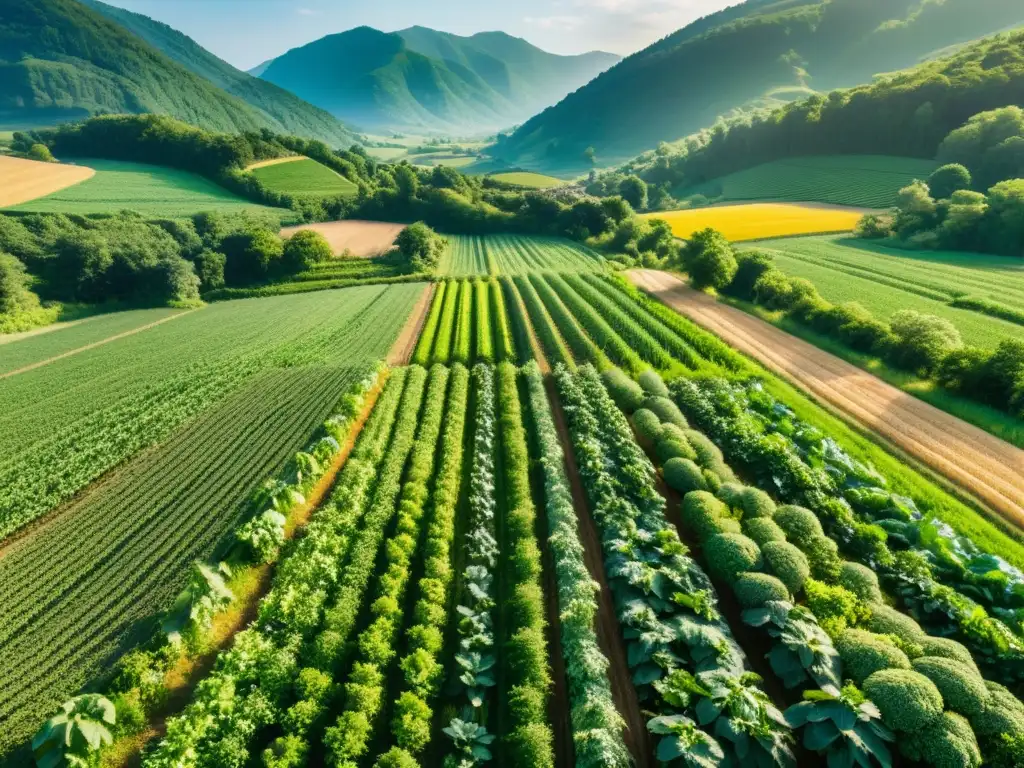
(865, 181)
(974, 291)
(473, 255)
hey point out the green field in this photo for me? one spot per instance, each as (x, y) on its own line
(227, 394)
(886, 280)
(303, 178)
(528, 180)
(471, 255)
(442, 158)
(152, 190)
(865, 181)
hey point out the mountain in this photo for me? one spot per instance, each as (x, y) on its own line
(288, 113)
(422, 79)
(759, 54)
(62, 60)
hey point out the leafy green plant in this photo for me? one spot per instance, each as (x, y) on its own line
(74, 736)
(472, 742)
(843, 725)
(803, 650)
(684, 742)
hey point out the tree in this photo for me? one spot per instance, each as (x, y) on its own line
(304, 249)
(40, 152)
(922, 341)
(634, 191)
(250, 255)
(420, 246)
(590, 155)
(209, 266)
(709, 260)
(74, 736)
(177, 280)
(407, 181)
(948, 179)
(1004, 222)
(15, 296)
(82, 261)
(750, 266)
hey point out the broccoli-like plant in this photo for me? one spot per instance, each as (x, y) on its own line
(788, 563)
(647, 424)
(673, 448)
(947, 649)
(860, 580)
(672, 432)
(864, 653)
(962, 689)
(1004, 713)
(699, 508)
(947, 742)
(888, 621)
(836, 607)
(799, 523)
(730, 554)
(753, 590)
(683, 475)
(763, 530)
(756, 503)
(908, 700)
(653, 384)
(843, 725)
(822, 555)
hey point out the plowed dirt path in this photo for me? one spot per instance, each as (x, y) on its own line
(985, 466)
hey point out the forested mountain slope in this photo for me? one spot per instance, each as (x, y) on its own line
(286, 111)
(420, 78)
(774, 52)
(62, 60)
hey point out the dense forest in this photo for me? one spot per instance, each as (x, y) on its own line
(772, 53)
(61, 59)
(909, 113)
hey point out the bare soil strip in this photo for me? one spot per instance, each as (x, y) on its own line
(182, 678)
(94, 344)
(609, 634)
(988, 468)
(405, 345)
(274, 161)
(360, 238)
(24, 180)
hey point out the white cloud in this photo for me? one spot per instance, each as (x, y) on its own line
(306, 12)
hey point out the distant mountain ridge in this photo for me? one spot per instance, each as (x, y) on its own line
(760, 53)
(419, 78)
(63, 59)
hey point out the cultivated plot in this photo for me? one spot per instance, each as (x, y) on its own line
(761, 220)
(359, 238)
(25, 180)
(302, 176)
(474, 255)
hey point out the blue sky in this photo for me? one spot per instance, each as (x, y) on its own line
(247, 32)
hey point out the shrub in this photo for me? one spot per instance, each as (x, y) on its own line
(788, 563)
(707, 452)
(420, 247)
(947, 649)
(729, 493)
(1004, 713)
(396, 758)
(755, 589)
(947, 742)
(730, 554)
(863, 653)
(305, 249)
(763, 530)
(675, 449)
(672, 432)
(756, 503)
(683, 475)
(961, 687)
(800, 524)
(835, 607)
(714, 481)
(860, 580)
(700, 509)
(823, 556)
(907, 700)
(626, 393)
(647, 424)
(750, 266)
(653, 384)
(725, 525)
(921, 341)
(666, 410)
(888, 621)
(948, 179)
(708, 259)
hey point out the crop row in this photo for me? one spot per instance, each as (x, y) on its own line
(467, 322)
(274, 670)
(491, 255)
(827, 621)
(554, 347)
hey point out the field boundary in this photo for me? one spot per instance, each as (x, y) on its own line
(984, 466)
(405, 345)
(93, 345)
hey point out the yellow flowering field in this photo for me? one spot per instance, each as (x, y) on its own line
(761, 220)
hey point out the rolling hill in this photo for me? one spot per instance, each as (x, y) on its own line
(62, 60)
(423, 79)
(760, 54)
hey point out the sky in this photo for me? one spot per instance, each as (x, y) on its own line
(248, 32)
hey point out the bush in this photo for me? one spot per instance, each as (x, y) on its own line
(948, 742)
(420, 247)
(675, 449)
(755, 589)
(860, 580)
(672, 432)
(948, 649)
(763, 530)
(708, 259)
(823, 557)
(888, 621)
(756, 503)
(730, 494)
(708, 454)
(40, 153)
(750, 266)
(699, 511)
(799, 523)
(396, 758)
(921, 341)
(961, 687)
(835, 607)
(626, 393)
(305, 249)
(948, 179)
(653, 384)
(667, 411)
(647, 424)
(730, 554)
(907, 700)
(863, 653)
(251, 256)
(788, 563)
(1004, 713)
(684, 476)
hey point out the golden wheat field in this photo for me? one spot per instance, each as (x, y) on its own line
(762, 220)
(24, 180)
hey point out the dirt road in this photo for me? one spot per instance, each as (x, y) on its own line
(985, 466)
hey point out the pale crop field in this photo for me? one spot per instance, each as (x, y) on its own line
(359, 238)
(761, 220)
(869, 181)
(303, 177)
(153, 190)
(25, 180)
